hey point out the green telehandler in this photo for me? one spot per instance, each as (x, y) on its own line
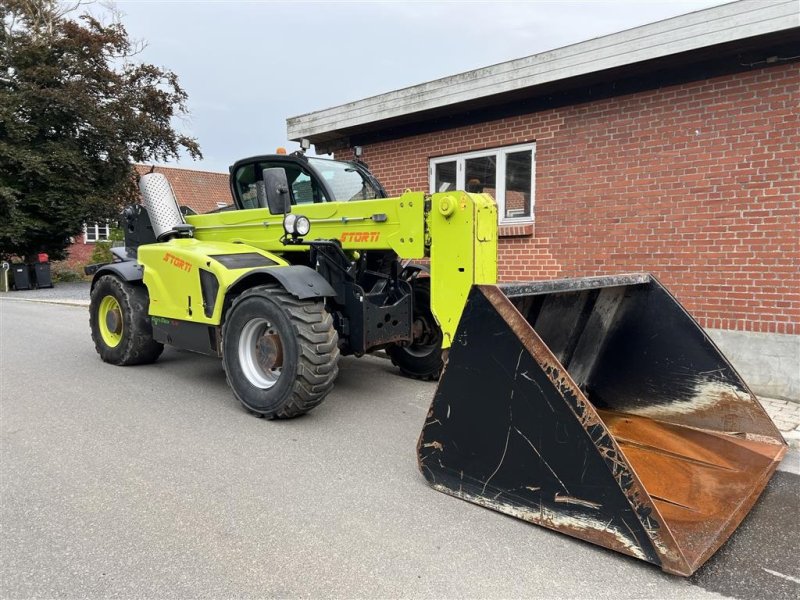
(595, 406)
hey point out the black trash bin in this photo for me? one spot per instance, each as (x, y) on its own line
(21, 276)
(41, 274)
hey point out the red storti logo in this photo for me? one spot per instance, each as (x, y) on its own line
(177, 262)
(360, 236)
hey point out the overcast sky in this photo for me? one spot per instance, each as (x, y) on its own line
(247, 66)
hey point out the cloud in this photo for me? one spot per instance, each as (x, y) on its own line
(247, 66)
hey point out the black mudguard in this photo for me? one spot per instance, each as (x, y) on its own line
(299, 280)
(128, 270)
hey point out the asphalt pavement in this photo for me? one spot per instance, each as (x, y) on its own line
(70, 292)
(152, 481)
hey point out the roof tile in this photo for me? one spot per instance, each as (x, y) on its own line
(202, 191)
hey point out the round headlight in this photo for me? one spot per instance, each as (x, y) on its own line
(289, 223)
(302, 225)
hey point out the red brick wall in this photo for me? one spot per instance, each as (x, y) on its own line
(696, 183)
(79, 253)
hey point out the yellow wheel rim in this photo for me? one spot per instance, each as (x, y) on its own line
(109, 317)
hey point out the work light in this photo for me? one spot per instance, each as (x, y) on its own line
(296, 225)
(289, 223)
(302, 226)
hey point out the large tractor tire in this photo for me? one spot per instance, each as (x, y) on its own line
(423, 358)
(120, 324)
(280, 354)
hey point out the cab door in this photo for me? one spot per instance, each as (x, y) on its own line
(303, 186)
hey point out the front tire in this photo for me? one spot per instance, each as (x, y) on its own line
(422, 358)
(120, 323)
(280, 354)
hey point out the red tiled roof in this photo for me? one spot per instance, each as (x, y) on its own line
(201, 191)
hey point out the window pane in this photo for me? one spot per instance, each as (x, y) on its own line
(97, 232)
(480, 175)
(345, 180)
(519, 184)
(505, 173)
(246, 182)
(444, 177)
(302, 191)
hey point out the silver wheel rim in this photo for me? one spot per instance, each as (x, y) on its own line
(260, 353)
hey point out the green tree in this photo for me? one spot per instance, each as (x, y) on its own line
(76, 111)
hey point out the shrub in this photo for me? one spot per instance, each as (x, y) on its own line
(63, 272)
(102, 253)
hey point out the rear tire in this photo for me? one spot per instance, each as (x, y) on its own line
(280, 354)
(120, 323)
(422, 359)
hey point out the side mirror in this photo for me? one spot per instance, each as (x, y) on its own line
(276, 190)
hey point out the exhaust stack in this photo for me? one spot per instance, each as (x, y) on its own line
(161, 204)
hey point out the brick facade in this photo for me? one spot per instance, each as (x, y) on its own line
(80, 253)
(696, 183)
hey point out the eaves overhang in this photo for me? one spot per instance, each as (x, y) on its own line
(723, 30)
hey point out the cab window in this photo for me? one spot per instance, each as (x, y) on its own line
(344, 180)
(246, 186)
(303, 189)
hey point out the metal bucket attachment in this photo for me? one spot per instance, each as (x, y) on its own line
(599, 408)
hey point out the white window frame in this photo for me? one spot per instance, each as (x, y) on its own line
(94, 231)
(500, 191)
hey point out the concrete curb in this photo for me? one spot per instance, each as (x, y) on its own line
(84, 303)
(792, 438)
(771, 399)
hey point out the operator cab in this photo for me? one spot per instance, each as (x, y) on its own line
(310, 180)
